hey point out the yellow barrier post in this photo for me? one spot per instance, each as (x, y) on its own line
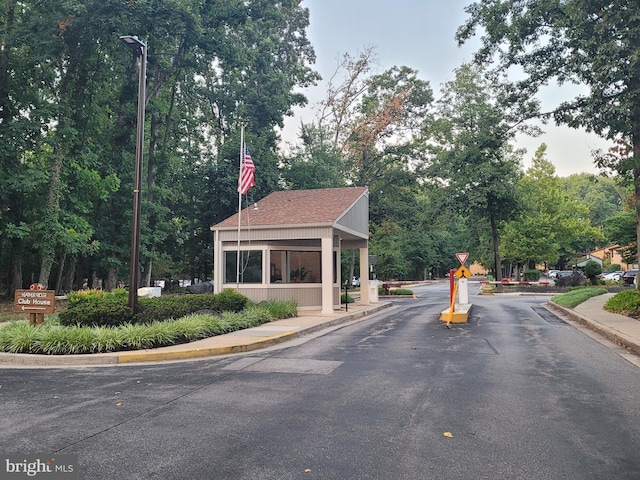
(453, 302)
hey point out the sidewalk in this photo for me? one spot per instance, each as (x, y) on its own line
(615, 327)
(241, 341)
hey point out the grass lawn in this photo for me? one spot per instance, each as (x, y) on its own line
(577, 296)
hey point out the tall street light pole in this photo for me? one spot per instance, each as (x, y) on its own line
(140, 48)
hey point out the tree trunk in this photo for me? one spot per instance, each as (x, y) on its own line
(111, 279)
(147, 282)
(496, 252)
(50, 224)
(16, 270)
(63, 258)
(635, 138)
(70, 271)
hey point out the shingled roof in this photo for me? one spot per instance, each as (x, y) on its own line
(298, 207)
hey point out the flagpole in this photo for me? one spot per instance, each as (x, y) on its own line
(239, 210)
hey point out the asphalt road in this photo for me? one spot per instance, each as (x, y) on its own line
(514, 394)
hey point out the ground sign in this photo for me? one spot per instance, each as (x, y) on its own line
(35, 301)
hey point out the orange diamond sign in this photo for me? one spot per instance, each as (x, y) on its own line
(463, 272)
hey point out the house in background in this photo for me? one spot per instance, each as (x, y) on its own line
(602, 254)
(289, 246)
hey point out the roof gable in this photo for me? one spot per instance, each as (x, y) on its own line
(298, 207)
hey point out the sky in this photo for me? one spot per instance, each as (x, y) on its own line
(420, 34)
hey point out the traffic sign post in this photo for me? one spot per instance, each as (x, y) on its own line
(461, 288)
(463, 274)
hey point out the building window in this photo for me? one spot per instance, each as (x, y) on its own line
(288, 266)
(250, 266)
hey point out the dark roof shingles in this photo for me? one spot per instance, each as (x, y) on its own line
(298, 207)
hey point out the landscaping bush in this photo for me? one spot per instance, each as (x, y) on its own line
(624, 302)
(230, 301)
(401, 291)
(163, 308)
(95, 311)
(157, 309)
(280, 308)
(531, 275)
(344, 298)
(95, 295)
(55, 339)
(592, 270)
(98, 308)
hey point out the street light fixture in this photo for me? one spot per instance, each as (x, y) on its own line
(140, 48)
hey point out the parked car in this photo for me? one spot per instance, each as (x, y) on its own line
(567, 273)
(355, 281)
(612, 276)
(553, 273)
(629, 276)
(573, 278)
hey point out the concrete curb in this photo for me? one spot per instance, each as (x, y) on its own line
(140, 356)
(607, 332)
(37, 360)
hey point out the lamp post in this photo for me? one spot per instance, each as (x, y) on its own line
(140, 48)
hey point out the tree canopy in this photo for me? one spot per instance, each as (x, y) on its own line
(582, 42)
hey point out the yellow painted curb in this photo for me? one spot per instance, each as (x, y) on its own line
(186, 352)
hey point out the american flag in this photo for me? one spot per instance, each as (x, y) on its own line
(247, 169)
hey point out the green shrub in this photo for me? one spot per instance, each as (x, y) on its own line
(196, 327)
(54, 339)
(531, 275)
(281, 308)
(258, 314)
(59, 340)
(592, 270)
(94, 294)
(230, 301)
(137, 336)
(106, 339)
(99, 308)
(157, 309)
(96, 311)
(401, 291)
(346, 298)
(19, 337)
(625, 301)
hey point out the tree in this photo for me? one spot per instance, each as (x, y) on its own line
(592, 270)
(554, 222)
(369, 133)
(602, 195)
(584, 42)
(314, 164)
(472, 155)
(620, 229)
(67, 128)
